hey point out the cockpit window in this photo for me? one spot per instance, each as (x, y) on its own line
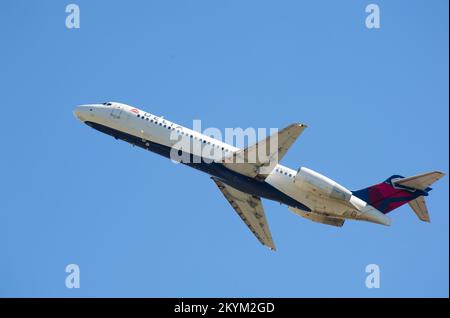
(107, 104)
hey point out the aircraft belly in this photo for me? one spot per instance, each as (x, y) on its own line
(254, 187)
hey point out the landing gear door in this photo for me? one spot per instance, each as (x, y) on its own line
(116, 112)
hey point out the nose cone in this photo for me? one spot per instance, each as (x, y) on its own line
(82, 111)
(77, 113)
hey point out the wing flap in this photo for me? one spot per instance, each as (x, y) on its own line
(250, 210)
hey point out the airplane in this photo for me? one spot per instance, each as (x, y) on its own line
(244, 182)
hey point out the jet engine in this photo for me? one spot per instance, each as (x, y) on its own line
(315, 183)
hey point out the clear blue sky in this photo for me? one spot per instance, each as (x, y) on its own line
(376, 103)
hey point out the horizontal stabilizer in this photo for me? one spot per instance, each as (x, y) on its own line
(420, 208)
(420, 182)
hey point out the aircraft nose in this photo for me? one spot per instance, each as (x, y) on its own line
(81, 111)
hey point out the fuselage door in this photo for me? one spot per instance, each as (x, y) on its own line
(116, 112)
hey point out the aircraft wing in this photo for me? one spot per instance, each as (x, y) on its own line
(261, 158)
(251, 211)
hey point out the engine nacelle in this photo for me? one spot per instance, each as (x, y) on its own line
(311, 181)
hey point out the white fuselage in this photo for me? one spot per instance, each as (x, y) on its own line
(320, 194)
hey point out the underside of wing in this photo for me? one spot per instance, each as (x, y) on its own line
(250, 210)
(261, 158)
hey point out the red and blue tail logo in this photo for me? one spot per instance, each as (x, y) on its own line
(386, 196)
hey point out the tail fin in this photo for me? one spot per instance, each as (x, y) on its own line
(397, 190)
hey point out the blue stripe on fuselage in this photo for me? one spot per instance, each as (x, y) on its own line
(227, 176)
